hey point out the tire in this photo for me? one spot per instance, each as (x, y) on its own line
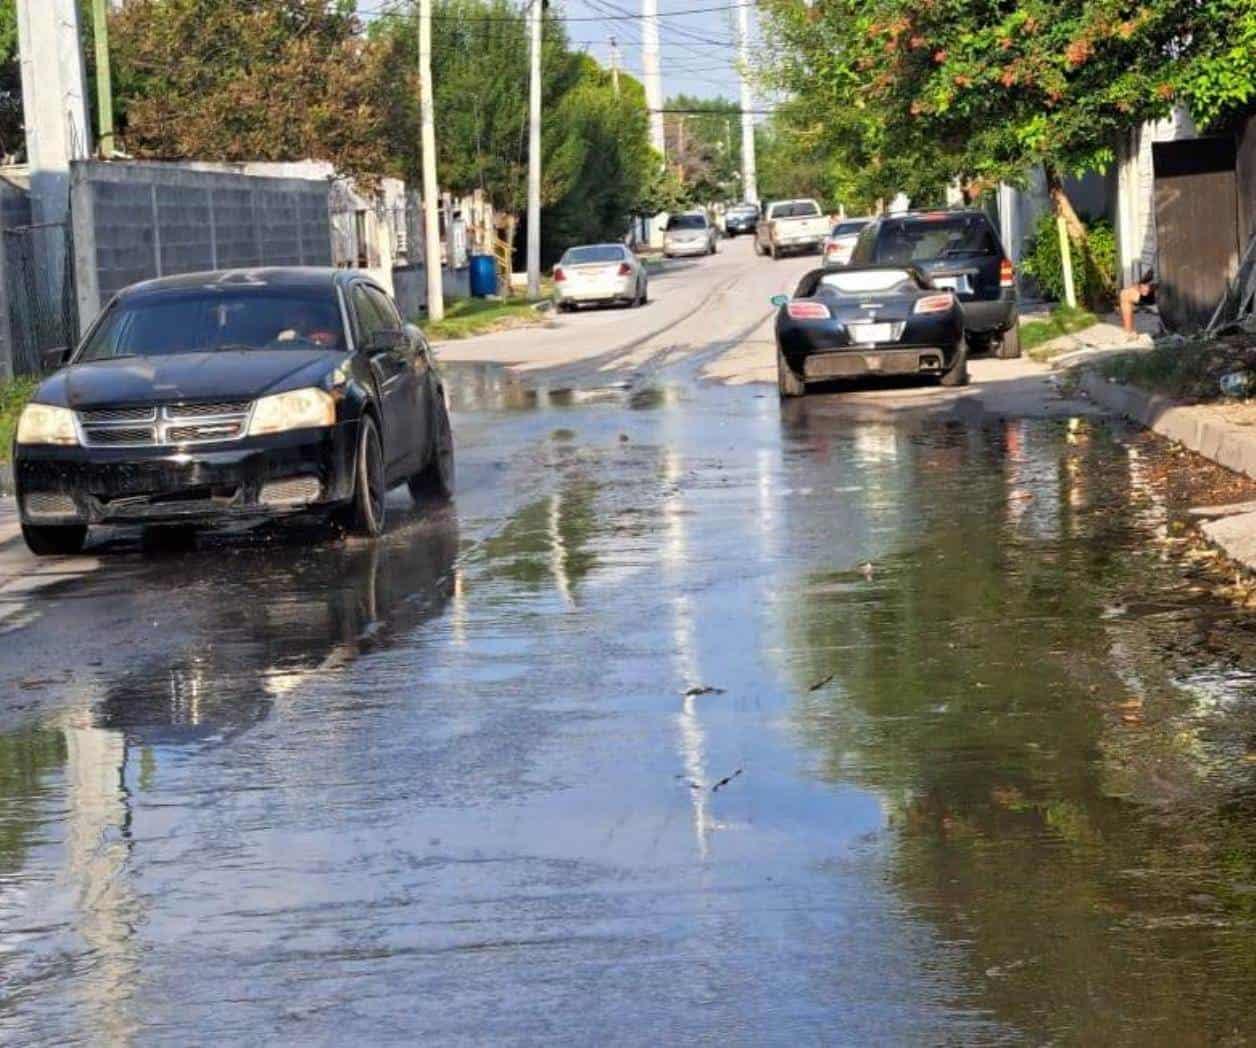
(59, 540)
(645, 293)
(788, 384)
(773, 254)
(367, 509)
(435, 482)
(957, 374)
(1009, 341)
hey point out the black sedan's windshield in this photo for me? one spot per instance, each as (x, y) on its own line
(204, 320)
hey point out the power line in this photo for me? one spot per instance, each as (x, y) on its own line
(625, 16)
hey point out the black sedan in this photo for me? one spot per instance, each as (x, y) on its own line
(869, 320)
(238, 395)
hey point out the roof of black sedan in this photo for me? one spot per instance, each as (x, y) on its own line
(307, 277)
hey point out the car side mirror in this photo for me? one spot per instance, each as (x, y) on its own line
(414, 337)
(57, 356)
(385, 340)
(779, 300)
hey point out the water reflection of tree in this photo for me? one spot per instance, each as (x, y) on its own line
(549, 539)
(980, 686)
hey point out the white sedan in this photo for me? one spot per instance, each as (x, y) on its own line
(607, 273)
(839, 244)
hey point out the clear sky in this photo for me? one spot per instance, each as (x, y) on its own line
(699, 51)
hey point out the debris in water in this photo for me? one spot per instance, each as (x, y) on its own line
(725, 781)
(703, 689)
(822, 682)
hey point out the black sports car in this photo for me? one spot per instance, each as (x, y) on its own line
(243, 394)
(869, 320)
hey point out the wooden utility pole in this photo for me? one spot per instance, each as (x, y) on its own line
(427, 142)
(615, 66)
(534, 152)
(104, 78)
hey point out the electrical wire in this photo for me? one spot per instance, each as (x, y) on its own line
(620, 16)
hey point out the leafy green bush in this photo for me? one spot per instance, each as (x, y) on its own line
(13, 397)
(1094, 263)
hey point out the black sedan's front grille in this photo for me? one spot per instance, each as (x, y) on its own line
(146, 414)
(166, 424)
(224, 407)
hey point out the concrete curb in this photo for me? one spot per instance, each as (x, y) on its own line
(1195, 428)
(1198, 430)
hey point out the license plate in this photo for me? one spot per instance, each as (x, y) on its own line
(960, 284)
(871, 332)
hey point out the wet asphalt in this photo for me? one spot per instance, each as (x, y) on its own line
(695, 719)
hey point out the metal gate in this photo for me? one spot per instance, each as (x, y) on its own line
(39, 278)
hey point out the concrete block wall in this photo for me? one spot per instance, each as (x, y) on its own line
(137, 220)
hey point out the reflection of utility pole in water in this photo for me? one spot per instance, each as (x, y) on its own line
(55, 109)
(692, 733)
(98, 829)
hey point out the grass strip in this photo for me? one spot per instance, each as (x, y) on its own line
(1062, 321)
(13, 397)
(465, 317)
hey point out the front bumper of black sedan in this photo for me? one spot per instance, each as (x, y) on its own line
(257, 477)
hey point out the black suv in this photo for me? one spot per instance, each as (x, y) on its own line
(959, 250)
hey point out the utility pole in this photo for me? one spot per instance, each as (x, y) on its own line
(615, 66)
(427, 142)
(534, 152)
(104, 78)
(650, 70)
(749, 178)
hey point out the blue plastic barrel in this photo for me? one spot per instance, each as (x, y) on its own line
(483, 275)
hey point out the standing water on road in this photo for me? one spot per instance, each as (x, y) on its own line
(695, 714)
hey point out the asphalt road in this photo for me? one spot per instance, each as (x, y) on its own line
(878, 718)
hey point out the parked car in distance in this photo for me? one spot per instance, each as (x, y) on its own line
(741, 218)
(872, 320)
(207, 398)
(600, 273)
(790, 225)
(690, 233)
(958, 250)
(840, 242)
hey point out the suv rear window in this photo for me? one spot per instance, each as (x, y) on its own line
(687, 222)
(919, 238)
(846, 229)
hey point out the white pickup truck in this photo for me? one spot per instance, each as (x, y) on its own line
(790, 225)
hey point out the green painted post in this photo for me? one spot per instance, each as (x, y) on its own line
(104, 77)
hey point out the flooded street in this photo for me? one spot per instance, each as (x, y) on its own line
(696, 717)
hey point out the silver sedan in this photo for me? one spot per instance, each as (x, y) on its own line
(607, 273)
(689, 234)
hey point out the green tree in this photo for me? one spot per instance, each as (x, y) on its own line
(12, 140)
(246, 80)
(920, 92)
(701, 145)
